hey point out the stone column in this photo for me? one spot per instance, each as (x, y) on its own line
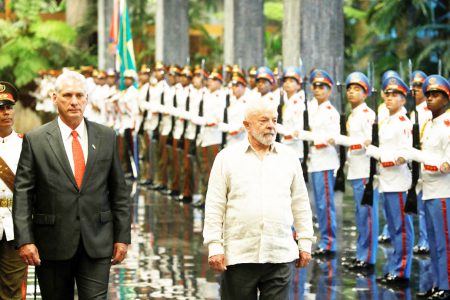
(104, 15)
(322, 36)
(244, 32)
(291, 33)
(172, 31)
(314, 30)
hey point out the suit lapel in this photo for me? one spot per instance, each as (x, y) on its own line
(93, 148)
(55, 140)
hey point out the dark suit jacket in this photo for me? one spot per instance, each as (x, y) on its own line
(48, 208)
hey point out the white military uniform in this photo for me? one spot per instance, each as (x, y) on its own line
(235, 127)
(395, 137)
(359, 130)
(435, 151)
(10, 148)
(213, 107)
(324, 123)
(292, 111)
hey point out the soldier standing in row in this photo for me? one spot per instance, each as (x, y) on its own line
(323, 159)
(435, 159)
(359, 129)
(196, 94)
(292, 111)
(209, 139)
(424, 115)
(13, 270)
(395, 180)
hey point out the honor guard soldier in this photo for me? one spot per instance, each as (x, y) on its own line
(383, 113)
(394, 181)
(209, 139)
(129, 115)
(159, 94)
(112, 93)
(293, 106)
(264, 82)
(182, 93)
(423, 116)
(13, 270)
(145, 174)
(197, 91)
(359, 129)
(168, 127)
(435, 158)
(165, 127)
(323, 159)
(234, 127)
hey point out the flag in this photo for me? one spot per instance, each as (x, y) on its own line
(125, 51)
(114, 29)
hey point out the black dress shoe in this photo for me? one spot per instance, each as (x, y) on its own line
(440, 295)
(394, 281)
(174, 193)
(348, 262)
(361, 266)
(382, 239)
(420, 250)
(323, 252)
(426, 294)
(185, 199)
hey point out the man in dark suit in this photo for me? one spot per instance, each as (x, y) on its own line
(71, 207)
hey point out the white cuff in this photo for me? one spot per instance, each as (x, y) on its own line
(215, 249)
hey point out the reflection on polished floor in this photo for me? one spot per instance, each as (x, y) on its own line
(168, 261)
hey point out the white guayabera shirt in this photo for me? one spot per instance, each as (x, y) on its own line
(252, 203)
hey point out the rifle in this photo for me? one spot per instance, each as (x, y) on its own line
(144, 116)
(172, 120)
(280, 106)
(185, 123)
(225, 111)
(156, 130)
(339, 184)
(306, 126)
(367, 198)
(411, 198)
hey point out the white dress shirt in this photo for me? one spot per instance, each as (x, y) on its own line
(10, 148)
(66, 134)
(252, 203)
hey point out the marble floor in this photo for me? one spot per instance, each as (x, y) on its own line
(167, 259)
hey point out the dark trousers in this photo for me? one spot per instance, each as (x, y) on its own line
(13, 272)
(242, 281)
(57, 277)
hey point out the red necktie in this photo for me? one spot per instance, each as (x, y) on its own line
(78, 159)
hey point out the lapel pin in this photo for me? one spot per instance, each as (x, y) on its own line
(93, 146)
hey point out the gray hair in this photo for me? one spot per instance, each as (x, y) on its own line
(258, 105)
(70, 76)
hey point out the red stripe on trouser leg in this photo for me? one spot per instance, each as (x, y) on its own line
(176, 173)
(402, 214)
(447, 246)
(164, 159)
(186, 190)
(327, 197)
